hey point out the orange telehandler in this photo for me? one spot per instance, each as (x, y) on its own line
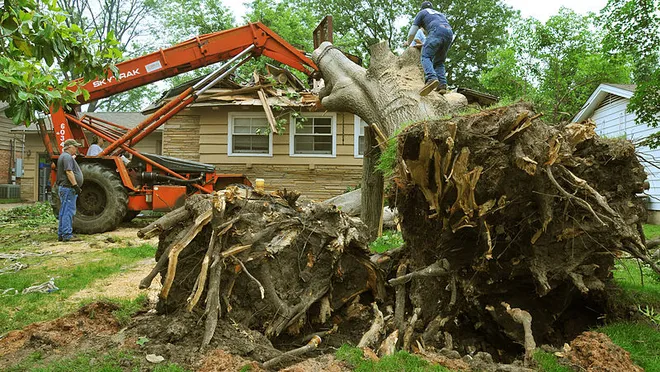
(115, 191)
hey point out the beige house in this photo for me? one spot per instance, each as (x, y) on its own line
(317, 152)
(6, 146)
(11, 154)
(35, 181)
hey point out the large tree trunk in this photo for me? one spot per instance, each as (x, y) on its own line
(385, 94)
(372, 185)
(511, 225)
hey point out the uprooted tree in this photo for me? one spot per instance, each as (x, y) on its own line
(497, 209)
(512, 227)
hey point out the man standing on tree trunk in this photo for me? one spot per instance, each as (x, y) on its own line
(69, 180)
(439, 36)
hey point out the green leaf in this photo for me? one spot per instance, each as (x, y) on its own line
(24, 96)
(85, 93)
(9, 25)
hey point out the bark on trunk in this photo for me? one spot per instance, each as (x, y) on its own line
(372, 186)
(387, 93)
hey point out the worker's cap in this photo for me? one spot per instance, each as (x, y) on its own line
(71, 142)
(427, 4)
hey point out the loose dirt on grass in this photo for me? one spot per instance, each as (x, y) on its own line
(65, 333)
(218, 360)
(593, 351)
(326, 363)
(122, 237)
(12, 205)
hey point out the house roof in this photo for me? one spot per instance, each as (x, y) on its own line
(126, 119)
(474, 96)
(628, 87)
(603, 90)
(289, 92)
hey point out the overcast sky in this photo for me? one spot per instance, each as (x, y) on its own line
(540, 10)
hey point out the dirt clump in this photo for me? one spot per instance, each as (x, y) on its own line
(327, 363)
(452, 363)
(275, 266)
(93, 320)
(595, 352)
(219, 360)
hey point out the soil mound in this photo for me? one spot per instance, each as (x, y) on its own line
(95, 319)
(595, 352)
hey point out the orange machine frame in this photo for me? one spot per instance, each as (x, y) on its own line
(237, 44)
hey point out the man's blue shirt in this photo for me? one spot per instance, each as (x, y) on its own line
(429, 19)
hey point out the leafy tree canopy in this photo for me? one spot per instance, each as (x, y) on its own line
(557, 64)
(129, 21)
(632, 29)
(181, 20)
(295, 24)
(36, 47)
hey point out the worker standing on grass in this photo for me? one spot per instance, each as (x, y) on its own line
(95, 148)
(439, 36)
(69, 180)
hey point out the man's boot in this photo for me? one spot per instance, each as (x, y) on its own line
(72, 238)
(428, 88)
(442, 89)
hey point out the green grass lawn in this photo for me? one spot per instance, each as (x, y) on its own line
(629, 276)
(641, 340)
(389, 240)
(547, 362)
(113, 361)
(71, 274)
(652, 231)
(399, 361)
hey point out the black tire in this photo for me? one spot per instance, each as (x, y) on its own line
(103, 203)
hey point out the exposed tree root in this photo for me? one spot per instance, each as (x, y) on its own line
(373, 334)
(311, 345)
(439, 268)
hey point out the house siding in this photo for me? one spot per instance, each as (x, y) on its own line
(613, 121)
(181, 137)
(5, 146)
(315, 177)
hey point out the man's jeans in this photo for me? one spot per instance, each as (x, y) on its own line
(434, 54)
(68, 199)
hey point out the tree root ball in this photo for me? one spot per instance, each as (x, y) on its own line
(524, 216)
(264, 261)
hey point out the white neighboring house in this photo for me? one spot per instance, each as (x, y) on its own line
(607, 108)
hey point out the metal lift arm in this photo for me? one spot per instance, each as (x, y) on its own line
(195, 53)
(237, 44)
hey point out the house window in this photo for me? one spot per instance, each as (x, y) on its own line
(313, 135)
(359, 128)
(249, 135)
